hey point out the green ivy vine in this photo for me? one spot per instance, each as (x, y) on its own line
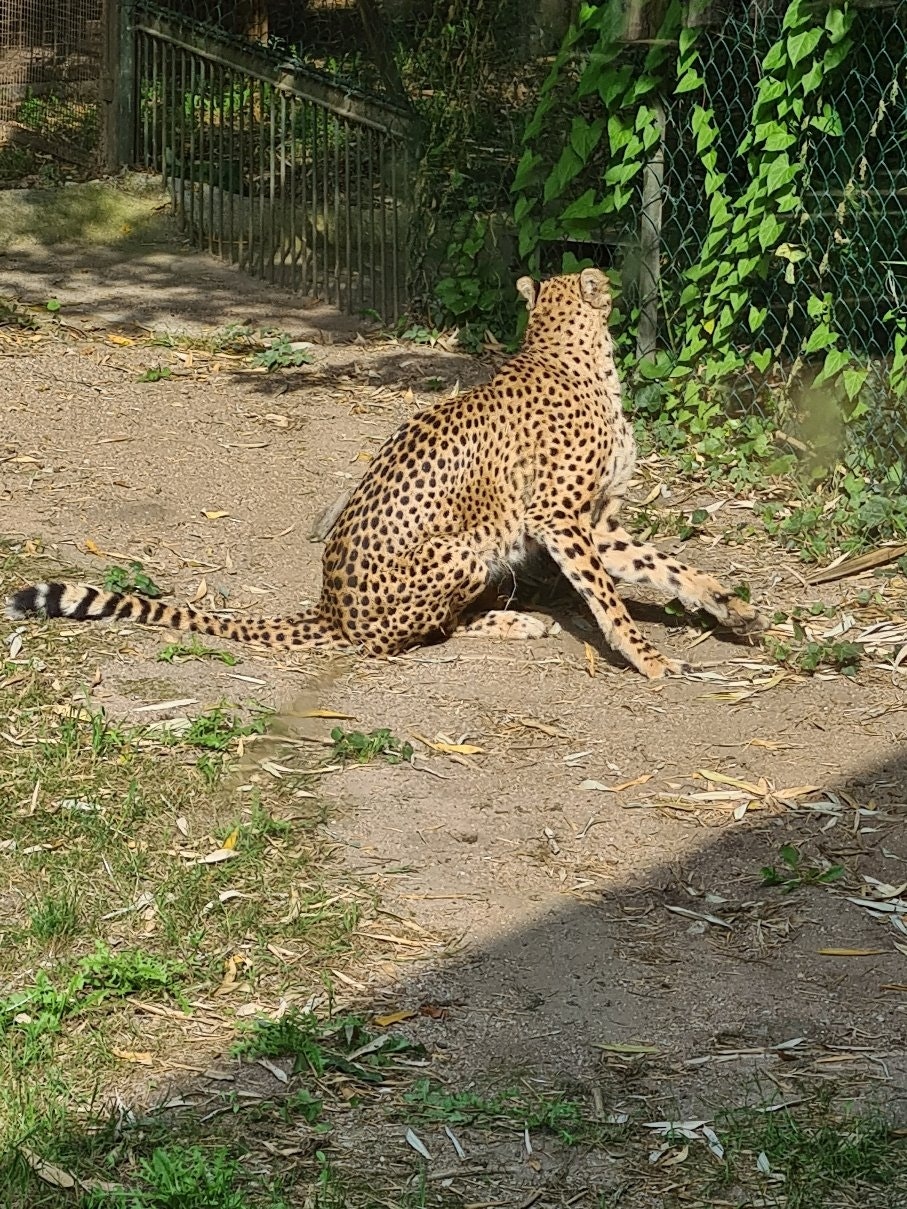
(593, 132)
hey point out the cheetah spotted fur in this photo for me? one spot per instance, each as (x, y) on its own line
(459, 493)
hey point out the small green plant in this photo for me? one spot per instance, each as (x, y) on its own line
(843, 657)
(130, 579)
(358, 748)
(55, 916)
(281, 353)
(181, 652)
(179, 1177)
(565, 1117)
(417, 333)
(53, 305)
(343, 1044)
(794, 872)
(34, 1015)
(156, 373)
(217, 729)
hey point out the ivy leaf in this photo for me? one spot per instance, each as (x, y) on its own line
(522, 208)
(813, 78)
(562, 173)
(584, 136)
(835, 360)
(526, 169)
(769, 230)
(819, 338)
(757, 317)
(703, 124)
(761, 360)
(853, 382)
(689, 81)
(780, 172)
(803, 44)
(837, 24)
(775, 57)
(584, 207)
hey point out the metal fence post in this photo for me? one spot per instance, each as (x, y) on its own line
(650, 240)
(117, 85)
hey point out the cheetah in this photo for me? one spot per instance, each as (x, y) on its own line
(459, 494)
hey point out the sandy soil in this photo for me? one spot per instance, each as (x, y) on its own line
(594, 903)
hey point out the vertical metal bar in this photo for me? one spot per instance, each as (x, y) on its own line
(241, 170)
(221, 158)
(205, 152)
(272, 186)
(294, 186)
(337, 291)
(360, 218)
(193, 149)
(261, 179)
(325, 193)
(250, 251)
(170, 136)
(158, 111)
(371, 215)
(284, 212)
(382, 137)
(304, 206)
(347, 216)
(228, 231)
(182, 139)
(313, 223)
(395, 234)
(144, 101)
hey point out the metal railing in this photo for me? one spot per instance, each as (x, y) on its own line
(273, 167)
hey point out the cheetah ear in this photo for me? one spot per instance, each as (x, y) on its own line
(596, 289)
(529, 291)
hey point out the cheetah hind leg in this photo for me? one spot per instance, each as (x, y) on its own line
(573, 549)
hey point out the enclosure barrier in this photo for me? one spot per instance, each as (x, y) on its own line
(273, 167)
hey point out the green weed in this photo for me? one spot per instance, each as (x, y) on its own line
(358, 748)
(181, 652)
(795, 872)
(156, 373)
(130, 579)
(280, 352)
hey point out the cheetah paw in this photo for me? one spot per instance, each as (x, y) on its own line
(741, 617)
(504, 624)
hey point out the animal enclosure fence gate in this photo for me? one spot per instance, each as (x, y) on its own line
(272, 166)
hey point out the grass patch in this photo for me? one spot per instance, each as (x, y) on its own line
(138, 880)
(810, 1156)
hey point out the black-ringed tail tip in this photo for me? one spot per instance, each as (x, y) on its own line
(81, 602)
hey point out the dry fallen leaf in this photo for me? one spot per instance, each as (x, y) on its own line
(850, 952)
(55, 1176)
(394, 1018)
(591, 658)
(131, 1055)
(214, 516)
(231, 840)
(200, 592)
(215, 857)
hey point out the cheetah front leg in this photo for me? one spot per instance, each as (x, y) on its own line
(635, 562)
(574, 550)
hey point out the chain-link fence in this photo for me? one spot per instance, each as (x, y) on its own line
(50, 69)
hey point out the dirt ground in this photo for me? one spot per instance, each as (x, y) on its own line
(586, 900)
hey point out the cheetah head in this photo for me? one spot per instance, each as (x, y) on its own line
(570, 311)
(585, 293)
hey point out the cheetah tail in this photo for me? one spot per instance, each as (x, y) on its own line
(83, 603)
